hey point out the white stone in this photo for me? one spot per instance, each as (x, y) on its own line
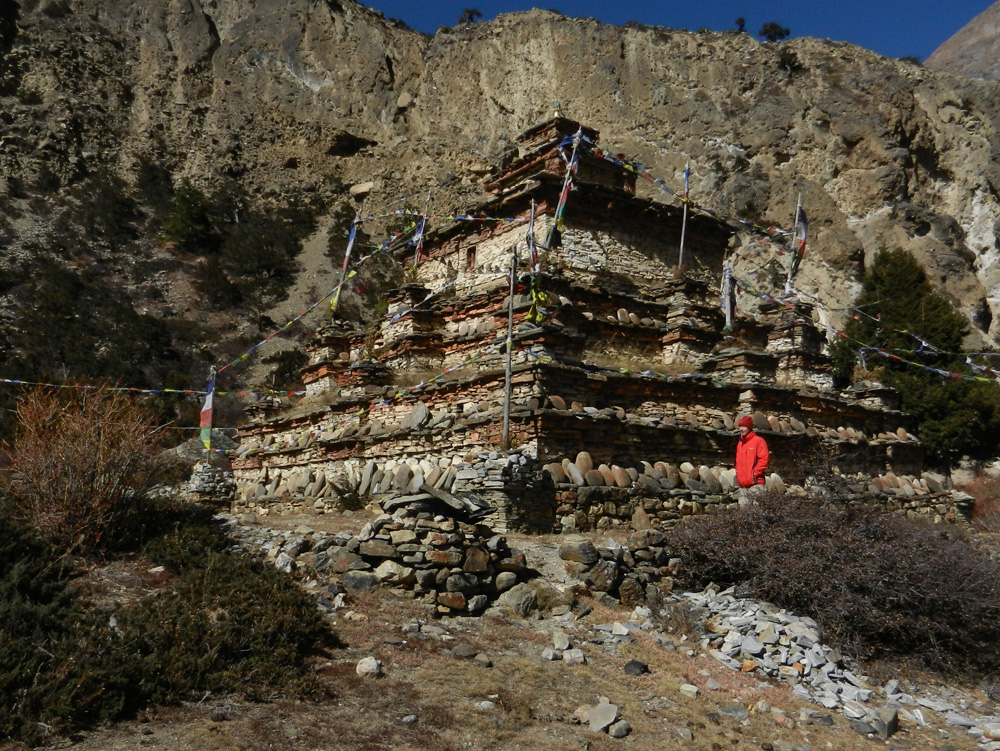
(369, 667)
(601, 716)
(574, 657)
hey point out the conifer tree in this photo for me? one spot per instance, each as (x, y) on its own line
(898, 313)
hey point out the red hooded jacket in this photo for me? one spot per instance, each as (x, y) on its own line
(751, 460)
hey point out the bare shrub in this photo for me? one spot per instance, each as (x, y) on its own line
(78, 467)
(679, 618)
(986, 511)
(879, 586)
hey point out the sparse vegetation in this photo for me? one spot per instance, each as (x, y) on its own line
(218, 622)
(986, 511)
(285, 371)
(880, 586)
(154, 187)
(189, 225)
(29, 96)
(229, 624)
(788, 60)
(469, 15)
(773, 32)
(250, 252)
(79, 467)
(77, 323)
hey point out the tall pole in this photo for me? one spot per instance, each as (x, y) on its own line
(510, 346)
(684, 221)
(567, 186)
(530, 239)
(347, 260)
(727, 294)
(205, 421)
(420, 235)
(791, 265)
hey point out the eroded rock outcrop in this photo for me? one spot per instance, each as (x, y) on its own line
(301, 100)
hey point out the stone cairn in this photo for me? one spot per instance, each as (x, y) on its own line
(211, 484)
(633, 573)
(429, 543)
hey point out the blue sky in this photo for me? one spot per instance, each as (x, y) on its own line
(895, 28)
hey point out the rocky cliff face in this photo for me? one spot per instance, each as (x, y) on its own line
(974, 50)
(296, 100)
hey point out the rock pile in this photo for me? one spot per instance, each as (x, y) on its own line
(629, 573)
(211, 484)
(753, 636)
(908, 487)
(742, 634)
(426, 543)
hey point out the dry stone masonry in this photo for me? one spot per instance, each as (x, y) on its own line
(624, 385)
(427, 543)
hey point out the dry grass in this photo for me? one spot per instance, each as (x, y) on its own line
(122, 582)
(536, 702)
(986, 511)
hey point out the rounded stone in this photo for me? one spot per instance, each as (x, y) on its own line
(556, 472)
(575, 475)
(673, 475)
(760, 421)
(579, 550)
(505, 580)
(708, 477)
(620, 729)
(606, 473)
(369, 667)
(621, 477)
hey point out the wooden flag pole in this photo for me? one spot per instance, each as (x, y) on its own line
(684, 221)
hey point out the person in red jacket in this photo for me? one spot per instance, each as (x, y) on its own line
(751, 461)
